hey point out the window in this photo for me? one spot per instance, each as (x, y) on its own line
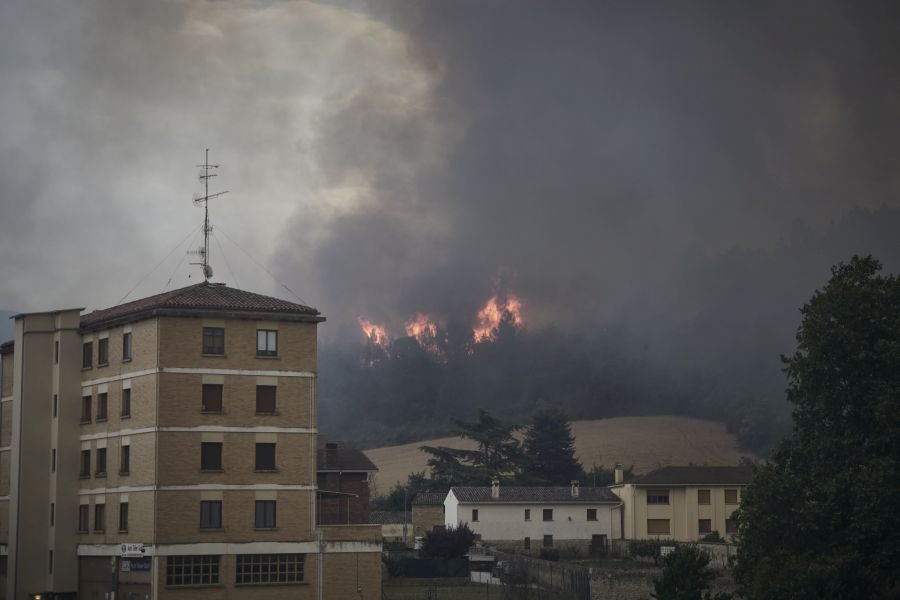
(527, 543)
(87, 355)
(125, 460)
(53, 460)
(52, 514)
(731, 496)
(265, 457)
(85, 464)
(55, 405)
(212, 398)
(86, 409)
(592, 514)
(657, 527)
(123, 516)
(83, 518)
(126, 346)
(548, 541)
(703, 497)
(210, 456)
(99, 517)
(101, 407)
(657, 496)
(705, 525)
(211, 514)
(548, 514)
(527, 514)
(474, 515)
(265, 514)
(50, 562)
(103, 352)
(56, 352)
(266, 342)
(731, 526)
(265, 399)
(192, 570)
(213, 340)
(126, 403)
(101, 462)
(269, 568)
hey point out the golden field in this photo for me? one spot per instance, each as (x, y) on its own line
(645, 442)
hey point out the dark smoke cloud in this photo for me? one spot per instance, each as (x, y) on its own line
(597, 153)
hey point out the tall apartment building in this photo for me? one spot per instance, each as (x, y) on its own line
(166, 448)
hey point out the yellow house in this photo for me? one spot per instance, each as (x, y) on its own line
(681, 503)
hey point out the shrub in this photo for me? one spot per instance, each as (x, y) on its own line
(686, 576)
(712, 536)
(452, 542)
(550, 554)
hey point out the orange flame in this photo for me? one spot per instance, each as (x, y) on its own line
(377, 334)
(495, 311)
(422, 327)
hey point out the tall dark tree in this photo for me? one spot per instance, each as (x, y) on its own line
(550, 450)
(498, 453)
(819, 520)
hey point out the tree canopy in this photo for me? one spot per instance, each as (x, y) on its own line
(819, 520)
(550, 449)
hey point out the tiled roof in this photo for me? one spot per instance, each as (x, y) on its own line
(199, 298)
(342, 458)
(387, 517)
(537, 495)
(696, 476)
(429, 499)
(7, 347)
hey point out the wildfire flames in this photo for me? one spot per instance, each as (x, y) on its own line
(425, 329)
(422, 327)
(495, 310)
(377, 334)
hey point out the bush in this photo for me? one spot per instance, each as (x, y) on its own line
(686, 576)
(713, 537)
(452, 542)
(550, 554)
(569, 552)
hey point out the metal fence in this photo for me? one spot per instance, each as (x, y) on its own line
(531, 578)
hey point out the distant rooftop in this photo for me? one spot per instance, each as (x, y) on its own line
(429, 499)
(196, 300)
(342, 458)
(541, 494)
(696, 476)
(388, 517)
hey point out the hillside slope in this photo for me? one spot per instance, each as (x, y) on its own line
(645, 442)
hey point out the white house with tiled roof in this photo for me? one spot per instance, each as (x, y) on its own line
(535, 517)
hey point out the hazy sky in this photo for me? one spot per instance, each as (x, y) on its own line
(390, 157)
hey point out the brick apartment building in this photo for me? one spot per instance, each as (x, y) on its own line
(167, 448)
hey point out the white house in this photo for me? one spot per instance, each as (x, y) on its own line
(535, 517)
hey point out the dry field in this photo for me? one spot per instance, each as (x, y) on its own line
(645, 442)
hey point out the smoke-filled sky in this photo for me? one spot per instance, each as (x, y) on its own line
(390, 157)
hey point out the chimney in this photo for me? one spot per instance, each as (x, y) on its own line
(575, 485)
(331, 455)
(495, 489)
(620, 474)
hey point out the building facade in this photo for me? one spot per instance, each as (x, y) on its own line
(530, 518)
(682, 503)
(166, 448)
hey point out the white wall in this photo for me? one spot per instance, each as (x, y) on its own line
(507, 521)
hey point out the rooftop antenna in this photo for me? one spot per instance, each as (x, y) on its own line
(203, 251)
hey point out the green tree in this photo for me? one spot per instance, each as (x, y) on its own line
(686, 576)
(550, 450)
(819, 519)
(452, 542)
(498, 453)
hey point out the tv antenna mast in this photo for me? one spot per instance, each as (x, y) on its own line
(203, 251)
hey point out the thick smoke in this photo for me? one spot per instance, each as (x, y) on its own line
(677, 178)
